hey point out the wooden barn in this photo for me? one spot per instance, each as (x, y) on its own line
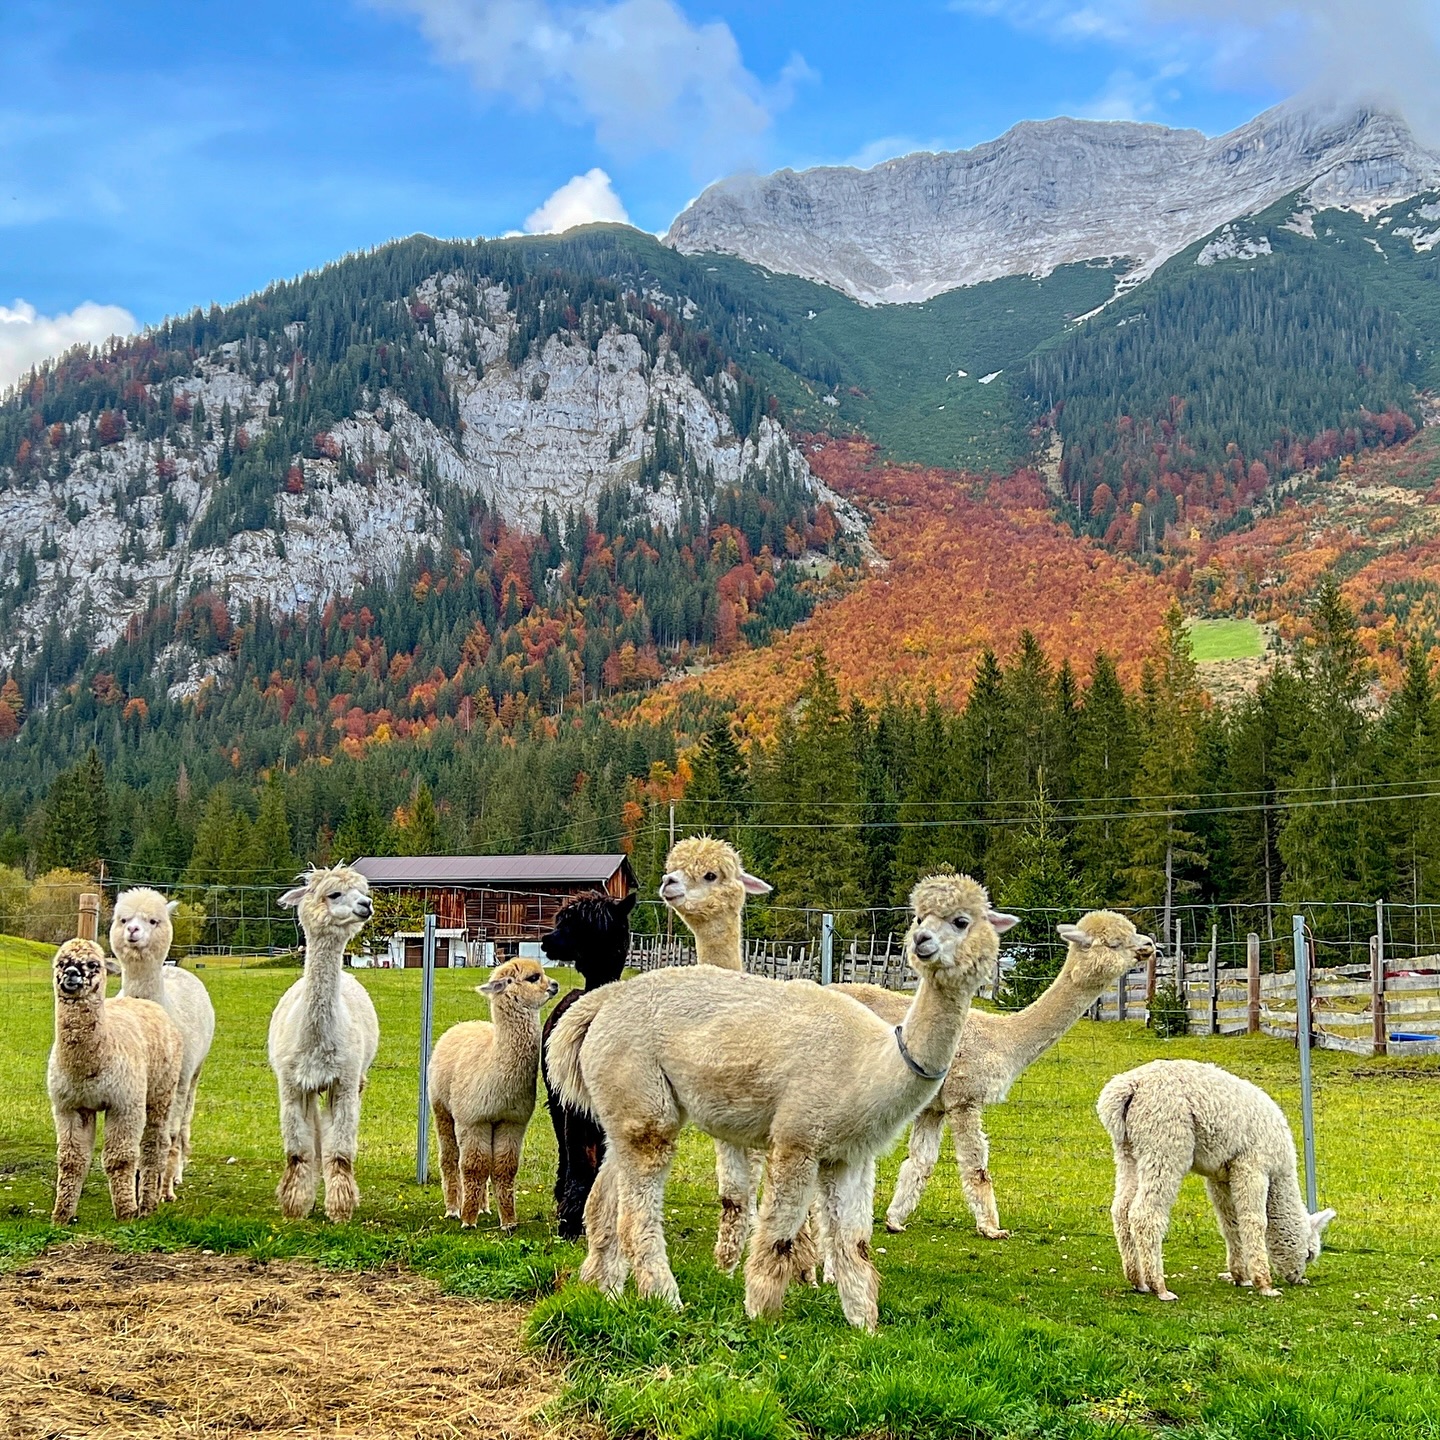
(500, 900)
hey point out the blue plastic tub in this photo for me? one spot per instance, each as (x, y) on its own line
(1411, 1035)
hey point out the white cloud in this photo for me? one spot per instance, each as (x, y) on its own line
(1128, 96)
(641, 71)
(27, 338)
(582, 201)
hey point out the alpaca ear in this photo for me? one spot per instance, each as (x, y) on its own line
(293, 897)
(1319, 1221)
(1074, 935)
(491, 987)
(112, 967)
(171, 906)
(628, 903)
(754, 885)
(1001, 921)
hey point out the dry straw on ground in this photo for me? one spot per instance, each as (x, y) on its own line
(97, 1344)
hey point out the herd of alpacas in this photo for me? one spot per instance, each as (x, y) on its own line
(802, 1087)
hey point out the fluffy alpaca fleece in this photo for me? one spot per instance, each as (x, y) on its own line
(705, 884)
(591, 935)
(1170, 1117)
(140, 938)
(323, 1038)
(819, 1081)
(120, 1056)
(482, 1092)
(994, 1052)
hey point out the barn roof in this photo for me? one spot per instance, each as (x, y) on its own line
(490, 869)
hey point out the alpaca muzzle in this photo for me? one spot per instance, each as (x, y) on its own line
(927, 947)
(72, 980)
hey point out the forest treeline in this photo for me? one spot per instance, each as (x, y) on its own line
(1056, 793)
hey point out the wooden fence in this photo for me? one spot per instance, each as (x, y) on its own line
(876, 961)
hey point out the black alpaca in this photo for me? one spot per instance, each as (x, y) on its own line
(591, 935)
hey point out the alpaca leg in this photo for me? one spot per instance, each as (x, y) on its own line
(121, 1158)
(340, 1136)
(1155, 1193)
(849, 1198)
(584, 1152)
(562, 1152)
(74, 1145)
(972, 1152)
(642, 1166)
(1250, 1192)
(1126, 1180)
(605, 1266)
(925, 1133)
(449, 1161)
(188, 1114)
(790, 1176)
(1224, 1204)
(735, 1176)
(156, 1147)
(475, 1161)
(505, 1166)
(296, 1191)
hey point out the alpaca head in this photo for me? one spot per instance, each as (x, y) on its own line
(333, 903)
(591, 935)
(1103, 946)
(955, 935)
(518, 985)
(704, 881)
(140, 926)
(1292, 1249)
(80, 970)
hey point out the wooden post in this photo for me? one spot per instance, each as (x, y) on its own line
(1378, 1037)
(1150, 978)
(1214, 978)
(1181, 987)
(88, 926)
(1252, 982)
(1120, 998)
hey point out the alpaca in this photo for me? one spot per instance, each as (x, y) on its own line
(323, 1038)
(591, 935)
(482, 1092)
(994, 1052)
(121, 1056)
(823, 1084)
(140, 937)
(705, 884)
(1170, 1117)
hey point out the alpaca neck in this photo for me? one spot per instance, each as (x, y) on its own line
(143, 977)
(1027, 1034)
(517, 1033)
(324, 963)
(932, 1026)
(82, 1041)
(594, 982)
(718, 943)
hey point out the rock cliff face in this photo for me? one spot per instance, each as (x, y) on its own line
(114, 523)
(1046, 194)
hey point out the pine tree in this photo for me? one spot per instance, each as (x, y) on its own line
(1106, 756)
(717, 798)
(422, 836)
(982, 739)
(76, 829)
(933, 813)
(363, 830)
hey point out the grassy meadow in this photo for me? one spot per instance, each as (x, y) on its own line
(1225, 640)
(1033, 1336)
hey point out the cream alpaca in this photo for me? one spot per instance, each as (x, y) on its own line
(705, 884)
(482, 1092)
(818, 1080)
(120, 1056)
(323, 1038)
(140, 938)
(994, 1052)
(1170, 1117)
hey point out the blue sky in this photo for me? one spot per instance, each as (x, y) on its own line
(157, 155)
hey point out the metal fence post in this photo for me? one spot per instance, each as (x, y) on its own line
(827, 947)
(1302, 1034)
(427, 1016)
(1379, 1040)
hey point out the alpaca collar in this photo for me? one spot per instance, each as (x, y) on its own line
(912, 1062)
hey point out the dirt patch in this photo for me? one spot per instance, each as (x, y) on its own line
(99, 1344)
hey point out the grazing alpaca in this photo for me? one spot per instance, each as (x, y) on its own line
(705, 884)
(821, 1082)
(994, 1052)
(323, 1038)
(1170, 1117)
(482, 1092)
(140, 937)
(120, 1056)
(591, 935)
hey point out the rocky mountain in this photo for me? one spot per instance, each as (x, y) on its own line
(1046, 194)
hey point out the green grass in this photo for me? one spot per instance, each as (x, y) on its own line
(1225, 640)
(1035, 1336)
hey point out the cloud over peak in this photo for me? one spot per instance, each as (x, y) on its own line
(585, 200)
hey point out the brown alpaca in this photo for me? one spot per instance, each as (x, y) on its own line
(119, 1056)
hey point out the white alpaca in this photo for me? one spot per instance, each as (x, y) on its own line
(482, 1092)
(1170, 1117)
(817, 1080)
(994, 1052)
(140, 939)
(120, 1056)
(705, 884)
(323, 1038)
